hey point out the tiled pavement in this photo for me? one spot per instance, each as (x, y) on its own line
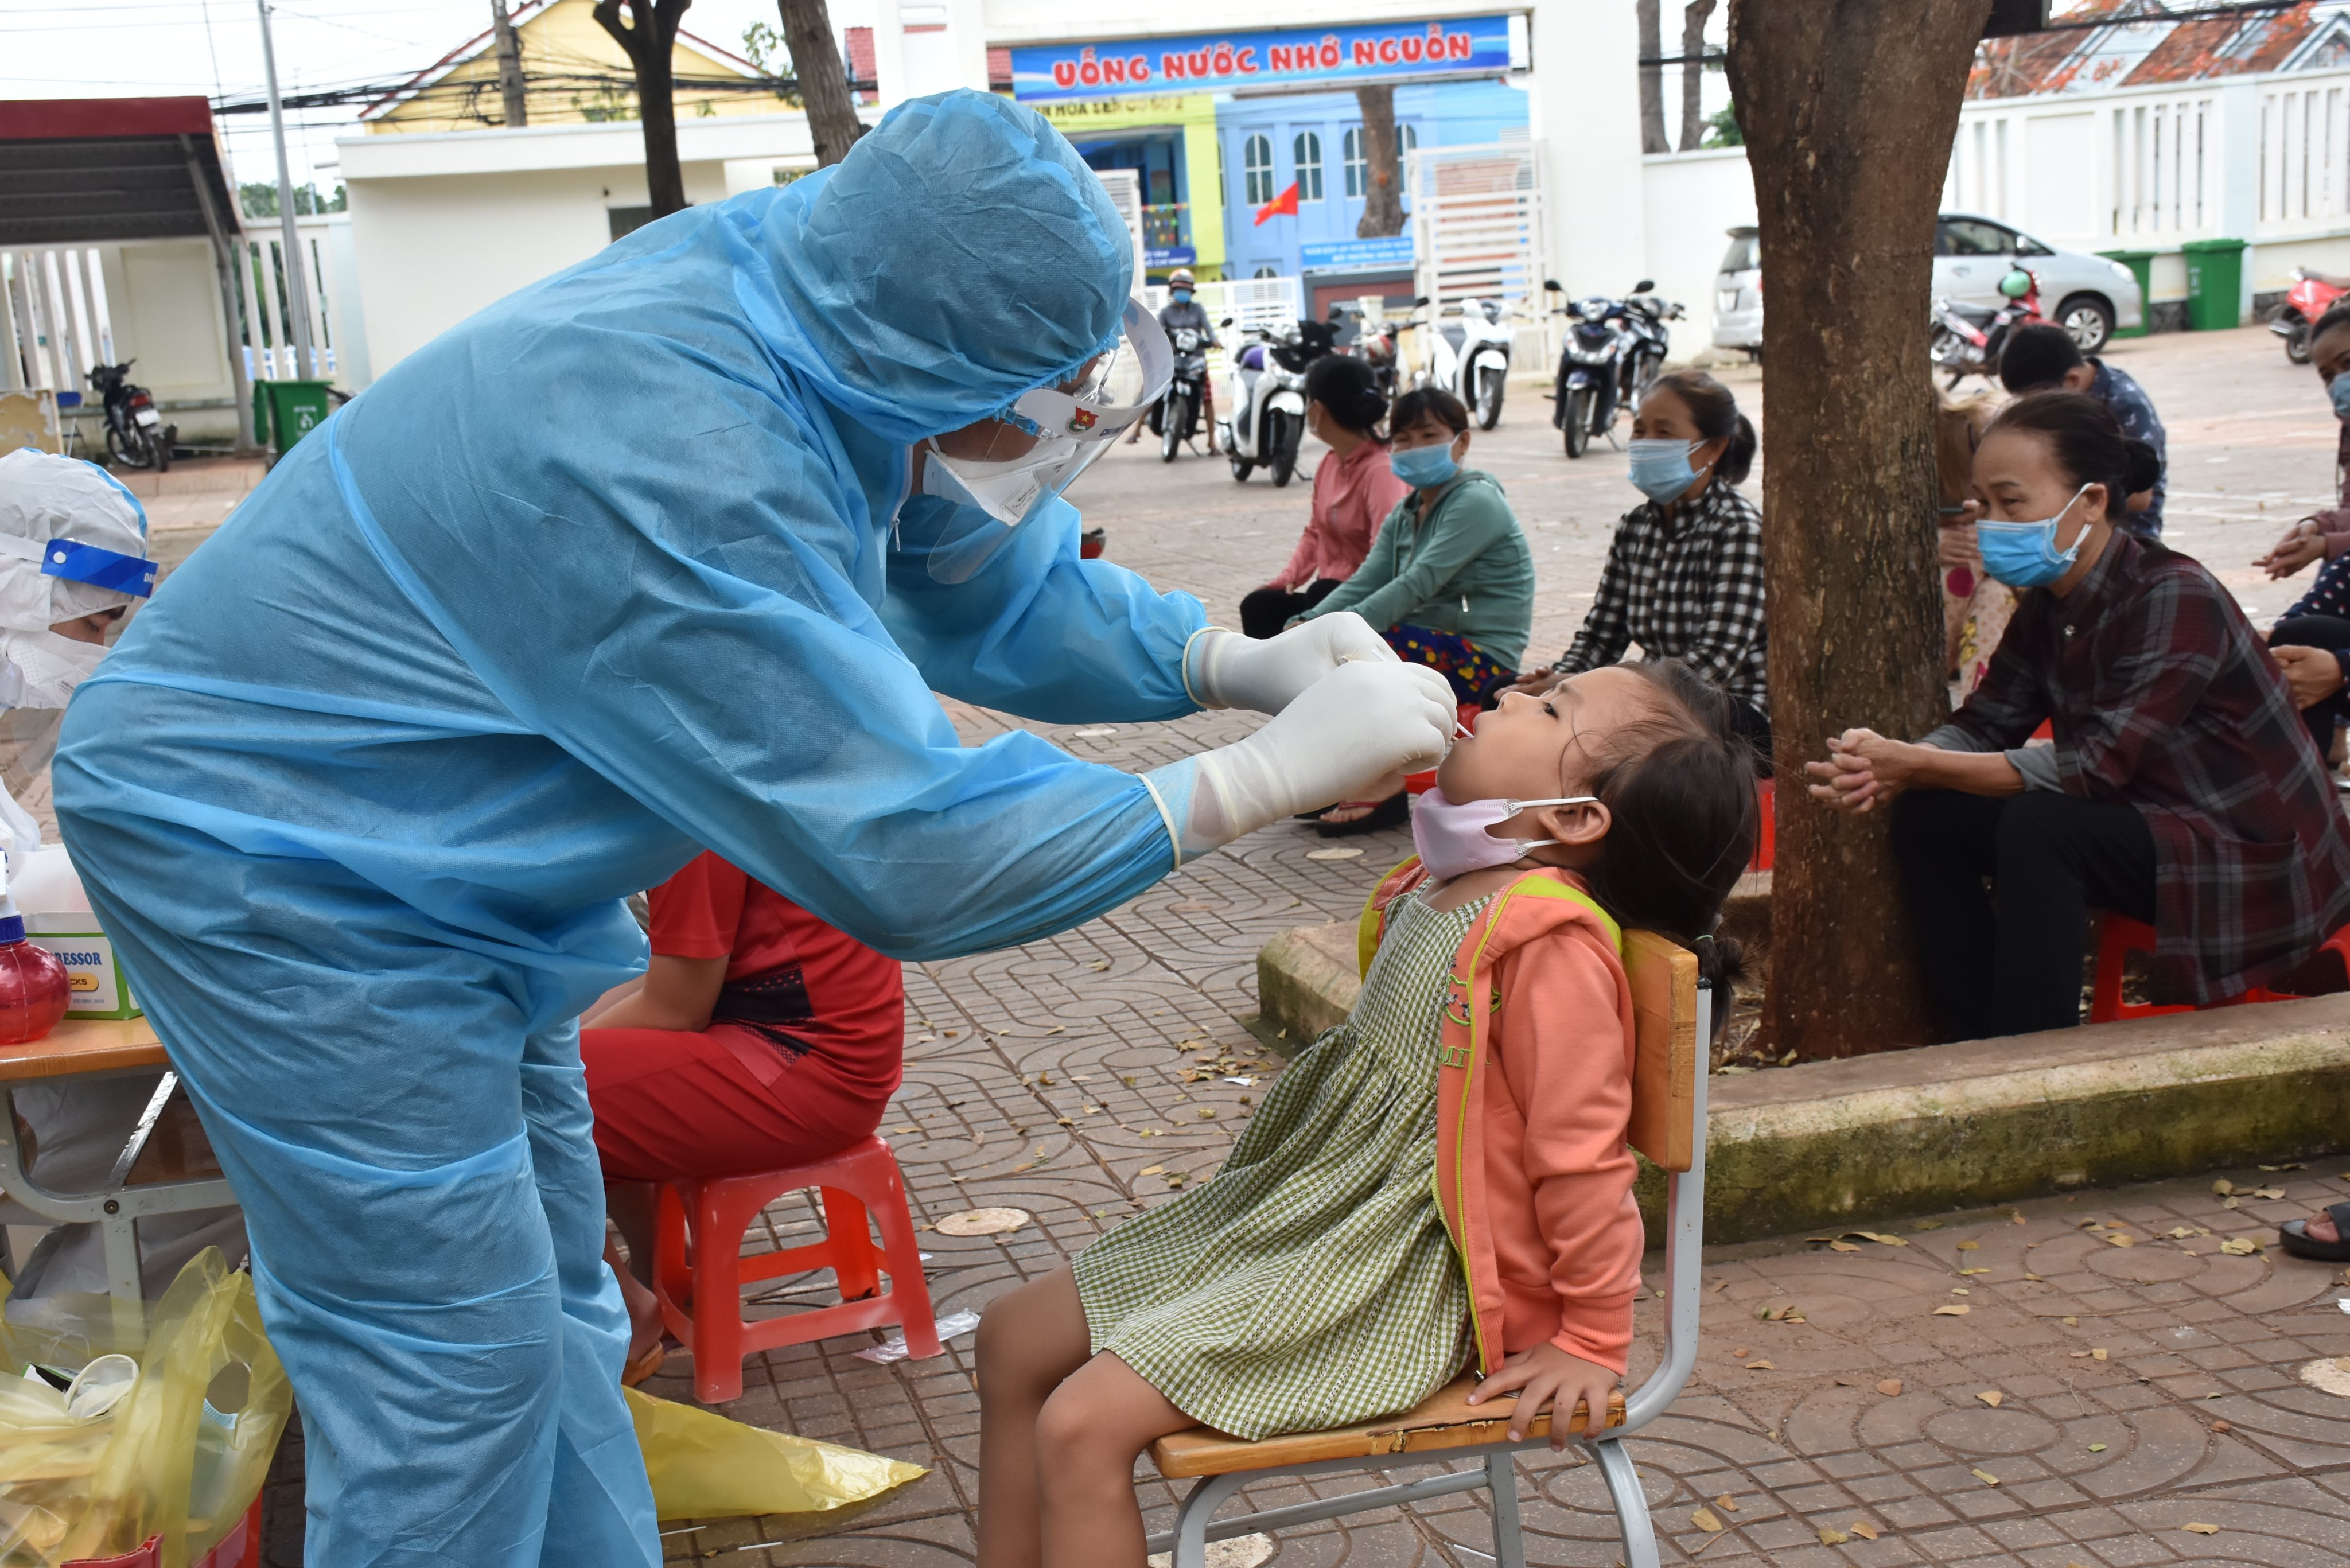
(1051, 1077)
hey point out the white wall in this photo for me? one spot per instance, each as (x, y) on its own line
(442, 226)
(1692, 199)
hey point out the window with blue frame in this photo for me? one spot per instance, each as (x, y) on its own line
(1306, 150)
(1256, 168)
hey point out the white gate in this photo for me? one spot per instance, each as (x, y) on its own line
(1477, 232)
(1125, 187)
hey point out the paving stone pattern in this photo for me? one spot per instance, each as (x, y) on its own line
(1051, 1077)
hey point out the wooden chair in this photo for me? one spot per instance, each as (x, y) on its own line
(1672, 1017)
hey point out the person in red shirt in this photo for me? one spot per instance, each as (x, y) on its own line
(1354, 491)
(757, 1037)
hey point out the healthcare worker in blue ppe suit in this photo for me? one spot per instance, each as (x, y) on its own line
(666, 551)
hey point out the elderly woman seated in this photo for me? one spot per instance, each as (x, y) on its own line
(2182, 788)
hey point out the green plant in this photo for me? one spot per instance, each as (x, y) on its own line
(1721, 127)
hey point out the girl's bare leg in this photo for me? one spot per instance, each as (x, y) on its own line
(1029, 1339)
(1089, 1436)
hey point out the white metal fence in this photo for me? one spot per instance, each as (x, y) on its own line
(56, 325)
(266, 322)
(1477, 232)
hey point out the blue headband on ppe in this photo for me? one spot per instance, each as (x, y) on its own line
(100, 567)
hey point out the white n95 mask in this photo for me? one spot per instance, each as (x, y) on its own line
(48, 666)
(1052, 434)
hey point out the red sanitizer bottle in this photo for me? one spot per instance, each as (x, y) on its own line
(34, 987)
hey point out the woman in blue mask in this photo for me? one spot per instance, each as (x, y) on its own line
(1684, 576)
(1449, 580)
(2181, 788)
(2311, 638)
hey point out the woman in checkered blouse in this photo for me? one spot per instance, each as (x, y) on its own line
(1684, 578)
(2182, 789)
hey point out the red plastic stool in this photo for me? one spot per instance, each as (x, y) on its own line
(2120, 936)
(1766, 797)
(699, 1271)
(1421, 784)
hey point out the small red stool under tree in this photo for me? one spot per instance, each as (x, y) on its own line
(699, 1270)
(2118, 935)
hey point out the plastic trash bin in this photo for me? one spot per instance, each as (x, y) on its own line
(2215, 284)
(2141, 266)
(286, 412)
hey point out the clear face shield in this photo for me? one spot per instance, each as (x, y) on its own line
(1005, 470)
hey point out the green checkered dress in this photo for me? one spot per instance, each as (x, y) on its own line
(1312, 1284)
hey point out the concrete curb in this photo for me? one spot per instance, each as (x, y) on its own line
(1951, 1126)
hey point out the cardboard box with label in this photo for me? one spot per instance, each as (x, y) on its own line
(57, 917)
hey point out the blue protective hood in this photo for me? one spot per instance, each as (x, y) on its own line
(961, 255)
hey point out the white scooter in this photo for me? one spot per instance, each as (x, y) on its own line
(1469, 357)
(1268, 413)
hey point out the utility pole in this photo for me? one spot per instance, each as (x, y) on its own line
(297, 276)
(510, 85)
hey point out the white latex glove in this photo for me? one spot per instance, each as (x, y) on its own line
(1349, 736)
(1225, 670)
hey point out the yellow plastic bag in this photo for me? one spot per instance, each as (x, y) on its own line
(705, 1466)
(181, 1457)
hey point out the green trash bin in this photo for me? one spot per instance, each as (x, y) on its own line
(286, 412)
(2215, 284)
(2141, 266)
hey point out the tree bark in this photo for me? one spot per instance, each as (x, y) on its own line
(510, 82)
(824, 83)
(1652, 77)
(1849, 108)
(1694, 16)
(650, 35)
(1382, 165)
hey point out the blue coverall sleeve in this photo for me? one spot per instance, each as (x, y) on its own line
(1005, 638)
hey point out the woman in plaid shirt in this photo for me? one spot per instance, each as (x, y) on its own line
(1684, 578)
(2182, 788)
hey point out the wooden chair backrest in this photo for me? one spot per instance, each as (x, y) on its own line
(1665, 1063)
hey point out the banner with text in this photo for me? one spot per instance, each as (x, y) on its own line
(1342, 56)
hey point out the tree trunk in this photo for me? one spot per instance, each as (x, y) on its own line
(1849, 108)
(510, 82)
(824, 84)
(1652, 77)
(650, 35)
(1382, 165)
(1694, 17)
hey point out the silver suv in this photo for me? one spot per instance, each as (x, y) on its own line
(2088, 296)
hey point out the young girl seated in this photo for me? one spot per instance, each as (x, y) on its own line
(1415, 1196)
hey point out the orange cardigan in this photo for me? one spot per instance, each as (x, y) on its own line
(1534, 1095)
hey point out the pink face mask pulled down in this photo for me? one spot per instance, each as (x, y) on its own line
(1452, 838)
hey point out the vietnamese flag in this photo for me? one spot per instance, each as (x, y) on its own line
(1284, 204)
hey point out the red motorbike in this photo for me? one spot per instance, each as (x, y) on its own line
(2310, 292)
(1970, 339)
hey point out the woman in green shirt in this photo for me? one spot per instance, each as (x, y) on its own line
(1449, 580)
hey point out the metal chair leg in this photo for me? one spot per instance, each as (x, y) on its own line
(1509, 1544)
(1190, 1545)
(1631, 1505)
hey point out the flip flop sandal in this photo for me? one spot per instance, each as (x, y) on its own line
(644, 1365)
(1387, 813)
(2295, 1237)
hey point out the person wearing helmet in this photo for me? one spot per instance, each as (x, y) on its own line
(360, 796)
(1183, 311)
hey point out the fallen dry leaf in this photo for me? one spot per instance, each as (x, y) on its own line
(2269, 1192)
(2231, 1203)
(1993, 1397)
(2223, 1186)
(1951, 1310)
(1761, 1367)
(1925, 1224)
(1964, 1273)
(1986, 1476)
(895, 1131)
(2118, 1239)
(2032, 1277)
(2070, 1321)
(1862, 1529)
(1832, 1537)
(1740, 1353)
(1704, 1519)
(1890, 1387)
(1153, 1170)
(2200, 1529)
(1971, 1246)
(2097, 1447)
(984, 1221)
(1333, 854)
(1880, 1238)
(1207, 1112)
(2239, 1247)
(1844, 1246)
(2222, 1427)
(1099, 966)
(2097, 1355)
(2181, 1232)
(1726, 1502)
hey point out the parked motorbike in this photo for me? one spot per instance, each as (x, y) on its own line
(2310, 292)
(1970, 339)
(1268, 417)
(1595, 373)
(136, 435)
(1645, 315)
(1373, 341)
(1178, 414)
(1469, 357)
